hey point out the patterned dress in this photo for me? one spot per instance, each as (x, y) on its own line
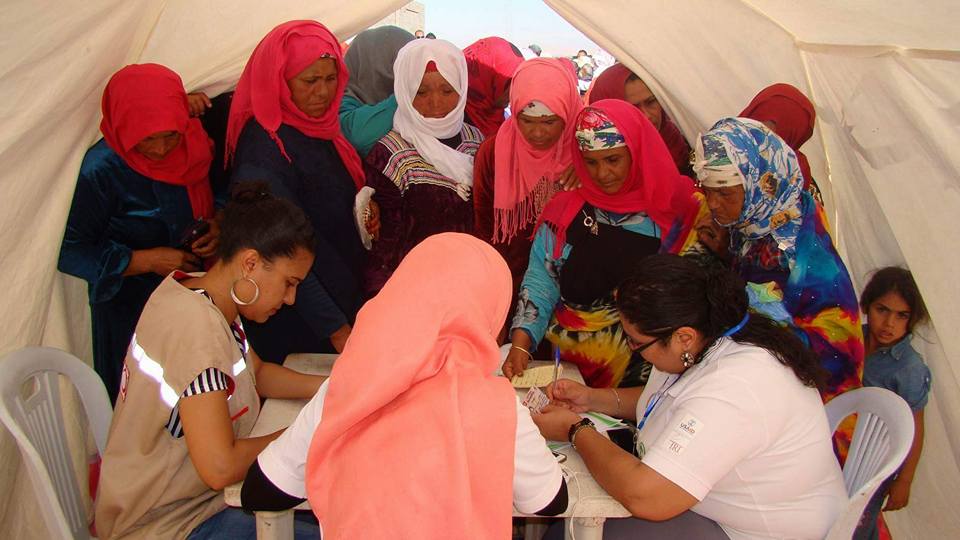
(782, 248)
(569, 299)
(415, 200)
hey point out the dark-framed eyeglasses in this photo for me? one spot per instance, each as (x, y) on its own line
(638, 347)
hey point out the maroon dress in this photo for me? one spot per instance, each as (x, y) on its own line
(415, 200)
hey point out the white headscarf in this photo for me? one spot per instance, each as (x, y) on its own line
(422, 132)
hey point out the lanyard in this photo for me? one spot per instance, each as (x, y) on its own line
(654, 401)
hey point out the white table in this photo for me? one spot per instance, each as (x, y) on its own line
(589, 505)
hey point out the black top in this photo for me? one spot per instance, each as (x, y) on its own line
(599, 262)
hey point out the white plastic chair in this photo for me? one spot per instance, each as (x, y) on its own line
(881, 441)
(31, 410)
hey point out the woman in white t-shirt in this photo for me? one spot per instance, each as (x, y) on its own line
(420, 437)
(732, 436)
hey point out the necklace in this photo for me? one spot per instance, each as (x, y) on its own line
(591, 223)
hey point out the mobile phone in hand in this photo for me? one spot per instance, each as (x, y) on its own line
(196, 230)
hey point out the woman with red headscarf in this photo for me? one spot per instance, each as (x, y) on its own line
(588, 239)
(791, 115)
(517, 171)
(618, 82)
(136, 214)
(284, 129)
(491, 62)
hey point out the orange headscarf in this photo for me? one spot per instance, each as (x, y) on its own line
(143, 99)
(417, 437)
(262, 92)
(524, 177)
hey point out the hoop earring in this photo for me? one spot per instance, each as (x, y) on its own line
(687, 359)
(233, 292)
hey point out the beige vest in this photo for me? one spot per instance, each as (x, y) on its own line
(149, 488)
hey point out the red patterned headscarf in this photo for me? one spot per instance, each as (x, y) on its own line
(262, 92)
(654, 186)
(610, 85)
(143, 99)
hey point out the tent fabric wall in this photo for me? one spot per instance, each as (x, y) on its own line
(882, 74)
(54, 62)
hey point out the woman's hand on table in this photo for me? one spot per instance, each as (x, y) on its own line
(206, 245)
(570, 395)
(554, 422)
(515, 363)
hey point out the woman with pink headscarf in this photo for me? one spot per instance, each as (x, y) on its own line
(413, 435)
(517, 171)
(284, 129)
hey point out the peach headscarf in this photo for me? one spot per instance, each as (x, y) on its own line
(525, 177)
(417, 438)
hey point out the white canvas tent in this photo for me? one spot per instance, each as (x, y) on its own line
(883, 74)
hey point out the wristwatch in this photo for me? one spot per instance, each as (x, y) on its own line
(575, 428)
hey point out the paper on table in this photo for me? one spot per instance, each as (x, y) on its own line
(603, 422)
(537, 376)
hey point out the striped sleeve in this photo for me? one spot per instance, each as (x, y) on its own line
(209, 380)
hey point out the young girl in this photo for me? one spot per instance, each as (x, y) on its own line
(893, 306)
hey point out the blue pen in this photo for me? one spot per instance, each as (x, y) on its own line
(556, 363)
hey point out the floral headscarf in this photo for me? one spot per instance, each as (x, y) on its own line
(772, 181)
(596, 131)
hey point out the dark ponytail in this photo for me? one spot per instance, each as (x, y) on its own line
(666, 292)
(255, 219)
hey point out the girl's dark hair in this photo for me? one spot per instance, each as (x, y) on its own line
(666, 292)
(255, 219)
(894, 278)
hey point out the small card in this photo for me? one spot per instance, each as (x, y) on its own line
(535, 400)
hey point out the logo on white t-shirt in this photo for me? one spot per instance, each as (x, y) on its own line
(682, 433)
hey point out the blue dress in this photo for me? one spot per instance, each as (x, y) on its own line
(317, 181)
(900, 369)
(115, 211)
